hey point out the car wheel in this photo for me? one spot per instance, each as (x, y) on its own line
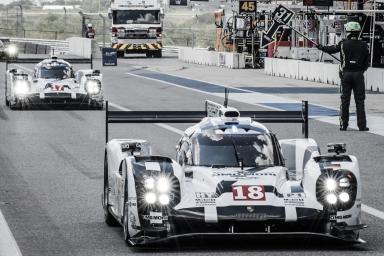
(149, 55)
(108, 217)
(126, 224)
(158, 54)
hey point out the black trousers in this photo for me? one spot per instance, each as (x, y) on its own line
(353, 81)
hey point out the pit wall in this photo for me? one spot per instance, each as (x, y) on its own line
(212, 58)
(319, 72)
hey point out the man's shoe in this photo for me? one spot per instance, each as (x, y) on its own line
(343, 127)
(364, 129)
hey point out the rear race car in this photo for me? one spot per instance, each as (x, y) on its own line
(232, 178)
(8, 51)
(54, 83)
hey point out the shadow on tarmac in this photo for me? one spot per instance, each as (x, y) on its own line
(265, 245)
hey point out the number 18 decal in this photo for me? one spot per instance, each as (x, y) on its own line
(246, 192)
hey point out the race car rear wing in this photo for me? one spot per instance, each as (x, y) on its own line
(113, 116)
(37, 60)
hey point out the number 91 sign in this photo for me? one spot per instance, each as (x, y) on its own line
(247, 6)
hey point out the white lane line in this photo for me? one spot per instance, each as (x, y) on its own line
(23, 68)
(164, 126)
(375, 123)
(8, 245)
(372, 211)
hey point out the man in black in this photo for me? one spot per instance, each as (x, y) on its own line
(354, 55)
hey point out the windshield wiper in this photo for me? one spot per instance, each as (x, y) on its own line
(238, 160)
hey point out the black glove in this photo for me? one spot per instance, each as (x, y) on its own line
(320, 47)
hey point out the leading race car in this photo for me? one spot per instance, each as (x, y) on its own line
(232, 178)
(54, 82)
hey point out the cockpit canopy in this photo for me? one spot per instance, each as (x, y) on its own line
(233, 147)
(54, 70)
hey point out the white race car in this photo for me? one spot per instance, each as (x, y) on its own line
(232, 178)
(54, 82)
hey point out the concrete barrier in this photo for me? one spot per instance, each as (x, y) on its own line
(83, 47)
(319, 72)
(211, 58)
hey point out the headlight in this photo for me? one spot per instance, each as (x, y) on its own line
(330, 184)
(92, 86)
(12, 50)
(21, 87)
(164, 199)
(331, 198)
(149, 183)
(162, 185)
(150, 197)
(344, 183)
(344, 197)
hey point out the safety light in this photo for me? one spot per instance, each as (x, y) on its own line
(331, 198)
(164, 199)
(21, 87)
(163, 185)
(330, 184)
(150, 197)
(344, 183)
(92, 86)
(149, 183)
(12, 50)
(344, 197)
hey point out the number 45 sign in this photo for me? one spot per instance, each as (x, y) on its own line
(247, 6)
(281, 16)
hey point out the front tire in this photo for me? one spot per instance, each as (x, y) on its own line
(108, 217)
(127, 237)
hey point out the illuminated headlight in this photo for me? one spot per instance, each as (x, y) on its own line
(331, 198)
(344, 183)
(164, 199)
(12, 50)
(344, 197)
(162, 185)
(92, 86)
(150, 197)
(330, 184)
(149, 183)
(21, 87)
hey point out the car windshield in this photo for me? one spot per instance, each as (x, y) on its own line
(248, 149)
(136, 17)
(55, 72)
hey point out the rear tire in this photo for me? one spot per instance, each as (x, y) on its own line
(108, 217)
(158, 54)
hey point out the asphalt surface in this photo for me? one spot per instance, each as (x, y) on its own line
(51, 170)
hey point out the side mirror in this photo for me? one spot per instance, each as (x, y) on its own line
(35, 80)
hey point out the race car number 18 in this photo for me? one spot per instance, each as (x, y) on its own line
(244, 192)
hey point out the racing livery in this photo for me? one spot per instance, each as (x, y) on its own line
(231, 177)
(54, 82)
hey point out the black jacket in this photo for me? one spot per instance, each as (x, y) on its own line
(354, 54)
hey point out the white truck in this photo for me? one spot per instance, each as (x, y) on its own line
(136, 27)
